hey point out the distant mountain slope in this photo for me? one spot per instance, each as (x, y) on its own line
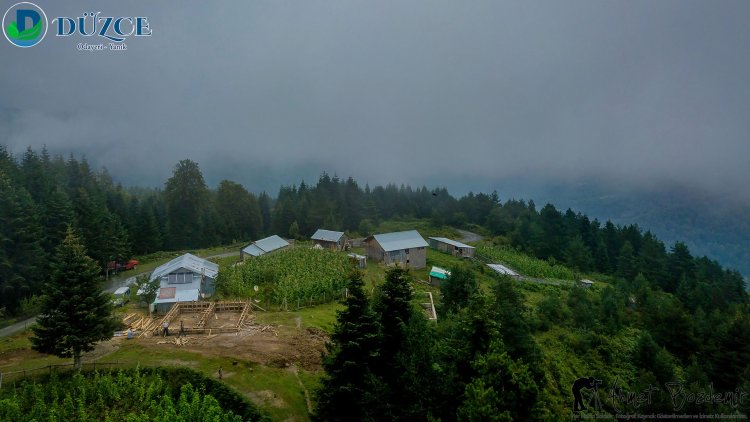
(711, 225)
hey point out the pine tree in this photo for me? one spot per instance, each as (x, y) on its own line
(186, 196)
(21, 256)
(394, 310)
(457, 290)
(347, 390)
(58, 216)
(76, 313)
(504, 390)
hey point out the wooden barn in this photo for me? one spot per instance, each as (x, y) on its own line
(327, 239)
(406, 248)
(186, 278)
(263, 246)
(453, 247)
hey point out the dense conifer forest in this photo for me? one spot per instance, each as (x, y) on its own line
(503, 349)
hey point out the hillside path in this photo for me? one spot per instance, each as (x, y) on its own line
(467, 236)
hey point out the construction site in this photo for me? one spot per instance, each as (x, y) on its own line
(194, 318)
(227, 329)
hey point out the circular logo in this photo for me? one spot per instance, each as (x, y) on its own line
(25, 24)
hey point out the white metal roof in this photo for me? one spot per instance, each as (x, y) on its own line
(400, 240)
(327, 235)
(452, 242)
(263, 246)
(502, 269)
(121, 291)
(253, 250)
(189, 262)
(180, 296)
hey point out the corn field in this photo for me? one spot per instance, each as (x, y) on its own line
(289, 277)
(121, 396)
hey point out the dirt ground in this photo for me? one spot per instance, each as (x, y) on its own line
(261, 344)
(273, 346)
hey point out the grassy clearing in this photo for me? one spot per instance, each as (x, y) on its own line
(276, 390)
(321, 316)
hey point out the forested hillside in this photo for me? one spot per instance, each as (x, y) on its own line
(43, 194)
(656, 313)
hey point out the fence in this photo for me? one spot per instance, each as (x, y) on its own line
(13, 376)
(294, 304)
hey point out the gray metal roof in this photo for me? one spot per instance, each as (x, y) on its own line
(189, 262)
(253, 250)
(180, 296)
(263, 246)
(452, 242)
(327, 235)
(400, 240)
(502, 269)
(121, 291)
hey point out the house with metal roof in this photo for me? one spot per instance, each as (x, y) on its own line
(186, 278)
(328, 239)
(406, 248)
(453, 247)
(263, 246)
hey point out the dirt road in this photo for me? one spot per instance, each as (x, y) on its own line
(467, 236)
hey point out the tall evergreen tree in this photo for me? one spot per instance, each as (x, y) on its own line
(58, 216)
(21, 256)
(186, 196)
(458, 289)
(347, 390)
(394, 310)
(76, 313)
(504, 390)
(238, 212)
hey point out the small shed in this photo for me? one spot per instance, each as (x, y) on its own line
(264, 246)
(453, 247)
(360, 260)
(406, 248)
(328, 239)
(502, 269)
(122, 295)
(438, 275)
(586, 283)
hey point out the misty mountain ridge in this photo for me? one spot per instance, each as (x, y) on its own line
(713, 224)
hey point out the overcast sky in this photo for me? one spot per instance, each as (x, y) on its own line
(456, 93)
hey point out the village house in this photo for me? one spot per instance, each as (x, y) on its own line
(263, 246)
(453, 247)
(327, 239)
(186, 278)
(406, 248)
